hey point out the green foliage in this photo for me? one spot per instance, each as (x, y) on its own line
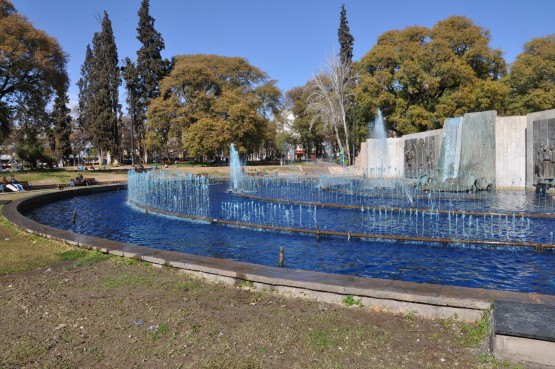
(30, 149)
(310, 131)
(475, 333)
(346, 40)
(321, 338)
(247, 284)
(349, 300)
(32, 66)
(61, 121)
(93, 257)
(74, 254)
(419, 77)
(532, 77)
(150, 69)
(98, 90)
(491, 361)
(208, 101)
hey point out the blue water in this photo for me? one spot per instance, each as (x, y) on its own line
(108, 215)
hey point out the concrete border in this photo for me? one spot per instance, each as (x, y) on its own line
(425, 299)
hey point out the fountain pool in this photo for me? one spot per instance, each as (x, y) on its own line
(335, 225)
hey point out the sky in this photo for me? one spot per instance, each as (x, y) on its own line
(287, 39)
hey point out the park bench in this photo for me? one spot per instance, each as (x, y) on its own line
(86, 182)
(25, 185)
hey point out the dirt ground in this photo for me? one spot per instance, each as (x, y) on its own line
(117, 313)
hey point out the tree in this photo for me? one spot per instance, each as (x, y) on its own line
(329, 101)
(309, 130)
(32, 65)
(208, 102)
(419, 77)
(61, 121)
(150, 69)
(98, 90)
(131, 77)
(532, 77)
(346, 40)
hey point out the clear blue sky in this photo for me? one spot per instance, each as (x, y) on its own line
(287, 39)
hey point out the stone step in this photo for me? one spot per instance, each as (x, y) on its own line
(524, 333)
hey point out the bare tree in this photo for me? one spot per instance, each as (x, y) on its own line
(329, 99)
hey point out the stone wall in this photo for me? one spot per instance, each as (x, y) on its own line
(385, 159)
(510, 152)
(487, 151)
(477, 163)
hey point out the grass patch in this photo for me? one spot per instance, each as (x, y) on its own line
(23, 354)
(351, 301)
(188, 285)
(320, 338)
(127, 280)
(246, 284)
(71, 255)
(93, 257)
(475, 333)
(23, 251)
(491, 361)
(129, 261)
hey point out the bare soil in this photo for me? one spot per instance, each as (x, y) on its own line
(116, 313)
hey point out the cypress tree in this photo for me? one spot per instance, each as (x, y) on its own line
(85, 92)
(346, 40)
(150, 68)
(98, 90)
(129, 73)
(61, 120)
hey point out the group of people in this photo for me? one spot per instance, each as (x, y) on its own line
(78, 181)
(12, 184)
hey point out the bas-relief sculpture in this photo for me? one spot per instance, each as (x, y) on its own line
(544, 142)
(420, 157)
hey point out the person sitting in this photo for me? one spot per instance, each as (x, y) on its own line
(80, 180)
(7, 185)
(16, 184)
(92, 167)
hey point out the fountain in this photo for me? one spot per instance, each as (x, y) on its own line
(338, 224)
(379, 134)
(235, 168)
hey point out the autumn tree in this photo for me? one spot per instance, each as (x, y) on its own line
(208, 102)
(99, 106)
(32, 66)
(532, 77)
(420, 76)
